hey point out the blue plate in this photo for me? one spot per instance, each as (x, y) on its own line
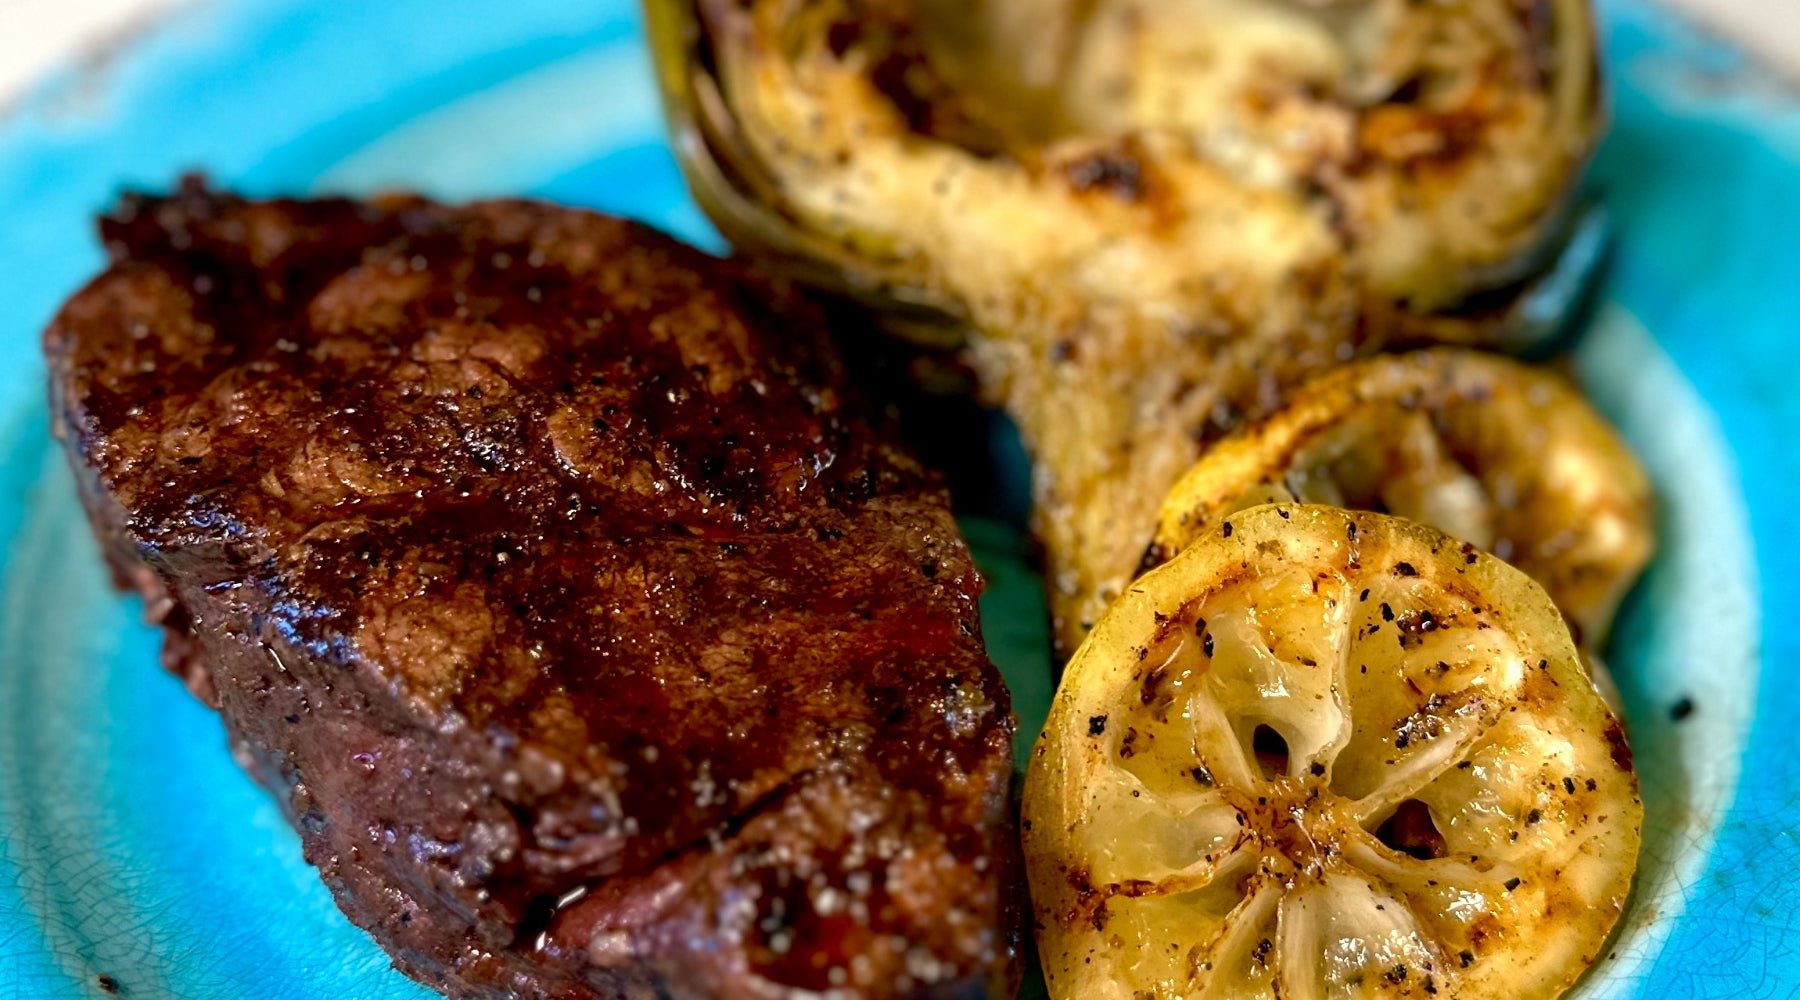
(135, 856)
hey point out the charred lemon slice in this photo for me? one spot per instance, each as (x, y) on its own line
(1327, 754)
(1494, 452)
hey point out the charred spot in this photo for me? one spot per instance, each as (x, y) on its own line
(930, 106)
(1225, 529)
(1132, 888)
(1202, 776)
(1418, 622)
(1413, 625)
(1621, 750)
(1465, 958)
(1681, 710)
(1405, 569)
(1100, 917)
(1395, 975)
(107, 983)
(1080, 881)
(1152, 683)
(1096, 725)
(1425, 724)
(1114, 171)
(1511, 883)
(1261, 952)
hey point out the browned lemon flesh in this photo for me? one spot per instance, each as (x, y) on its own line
(1328, 754)
(1492, 451)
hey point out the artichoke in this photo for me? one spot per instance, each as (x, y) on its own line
(1144, 221)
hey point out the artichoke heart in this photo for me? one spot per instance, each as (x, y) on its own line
(1144, 220)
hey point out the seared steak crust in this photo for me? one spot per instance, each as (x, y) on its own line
(593, 635)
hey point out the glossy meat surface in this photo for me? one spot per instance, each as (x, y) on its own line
(585, 623)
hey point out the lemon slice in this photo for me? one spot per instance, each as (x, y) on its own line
(1328, 754)
(1492, 451)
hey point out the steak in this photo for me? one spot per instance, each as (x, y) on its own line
(594, 635)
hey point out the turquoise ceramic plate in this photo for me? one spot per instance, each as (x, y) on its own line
(135, 856)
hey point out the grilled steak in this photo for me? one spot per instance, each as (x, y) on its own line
(590, 631)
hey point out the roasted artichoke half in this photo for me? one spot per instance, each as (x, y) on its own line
(1144, 220)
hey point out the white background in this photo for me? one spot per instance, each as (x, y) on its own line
(35, 34)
